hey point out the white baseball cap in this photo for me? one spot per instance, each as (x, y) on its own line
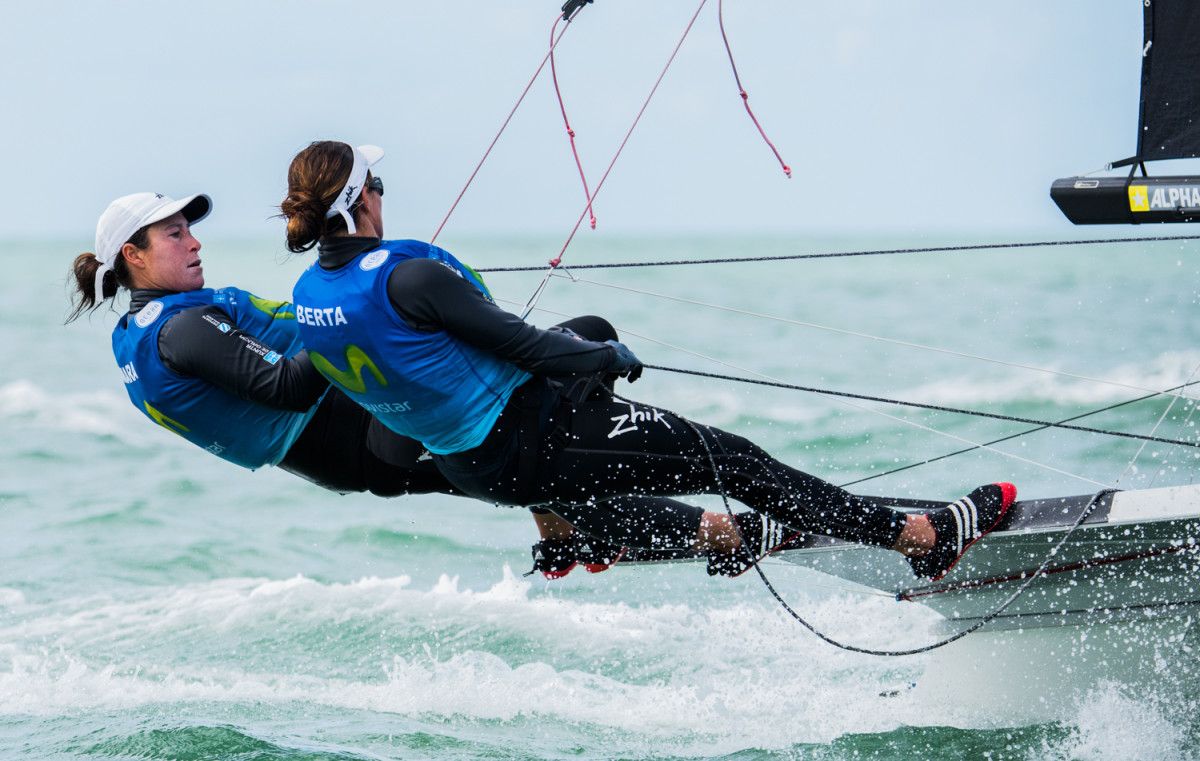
(365, 157)
(128, 214)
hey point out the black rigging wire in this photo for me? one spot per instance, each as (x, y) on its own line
(841, 254)
(1039, 424)
(920, 405)
(995, 613)
(1016, 435)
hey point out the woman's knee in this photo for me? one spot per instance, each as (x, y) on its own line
(591, 327)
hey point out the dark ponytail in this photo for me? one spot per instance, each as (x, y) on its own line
(316, 175)
(83, 269)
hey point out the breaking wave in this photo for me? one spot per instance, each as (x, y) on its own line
(701, 680)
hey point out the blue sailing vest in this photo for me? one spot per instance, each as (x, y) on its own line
(245, 433)
(430, 386)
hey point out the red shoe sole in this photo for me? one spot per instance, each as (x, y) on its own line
(598, 568)
(552, 575)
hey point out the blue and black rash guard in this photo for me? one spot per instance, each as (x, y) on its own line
(413, 335)
(341, 447)
(192, 343)
(430, 297)
(243, 432)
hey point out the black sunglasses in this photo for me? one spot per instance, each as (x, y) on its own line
(376, 184)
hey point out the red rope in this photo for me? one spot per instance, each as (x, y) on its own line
(742, 91)
(556, 261)
(500, 132)
(566, 122)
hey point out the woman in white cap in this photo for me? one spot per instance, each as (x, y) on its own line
(224, 369)
(413, 335)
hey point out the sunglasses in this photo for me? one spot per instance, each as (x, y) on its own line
(375, 184)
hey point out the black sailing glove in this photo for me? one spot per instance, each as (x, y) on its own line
(626, 363)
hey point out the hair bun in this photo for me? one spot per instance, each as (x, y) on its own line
(315, 177)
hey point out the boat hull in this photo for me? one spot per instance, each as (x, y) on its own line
(1135, 557)
(1127, 200)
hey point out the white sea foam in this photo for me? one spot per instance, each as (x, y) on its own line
(704, 679)
(1165, 371)
(103, 412)
(722, 406)
(10, 598)
(739, 676)
(1112, 725)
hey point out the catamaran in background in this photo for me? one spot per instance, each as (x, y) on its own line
(1168, 128)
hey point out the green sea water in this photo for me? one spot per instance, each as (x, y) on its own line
(158, 603)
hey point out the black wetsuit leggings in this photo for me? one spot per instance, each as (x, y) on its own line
(344, 449)
(602, 447)
(654, 523)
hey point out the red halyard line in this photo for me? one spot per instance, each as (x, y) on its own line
(558, 259)
(787, 170)
(567, 123)
(503, 127)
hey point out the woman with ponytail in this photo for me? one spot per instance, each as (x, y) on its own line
(413, 335)
(225, 370)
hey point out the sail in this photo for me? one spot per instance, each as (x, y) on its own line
(1169, 122)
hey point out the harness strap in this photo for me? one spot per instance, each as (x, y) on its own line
(546, 407)
(529, 439)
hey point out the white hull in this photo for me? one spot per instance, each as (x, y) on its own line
(1135, 558)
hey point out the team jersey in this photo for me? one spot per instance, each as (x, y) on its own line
(426, 384)
(243, 432)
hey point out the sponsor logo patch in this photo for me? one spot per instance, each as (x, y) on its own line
(149, 314)
(272, 357)
(373, 260)
(1139, 199)
(1163, 197)
(387, 408)
(629, 423)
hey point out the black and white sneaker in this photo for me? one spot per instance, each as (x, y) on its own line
(762, 535)
(555, 558)
(959, 525)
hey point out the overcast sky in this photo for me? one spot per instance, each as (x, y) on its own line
(897, 115)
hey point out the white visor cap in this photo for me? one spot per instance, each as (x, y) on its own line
(128, 214)
(365, 157)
